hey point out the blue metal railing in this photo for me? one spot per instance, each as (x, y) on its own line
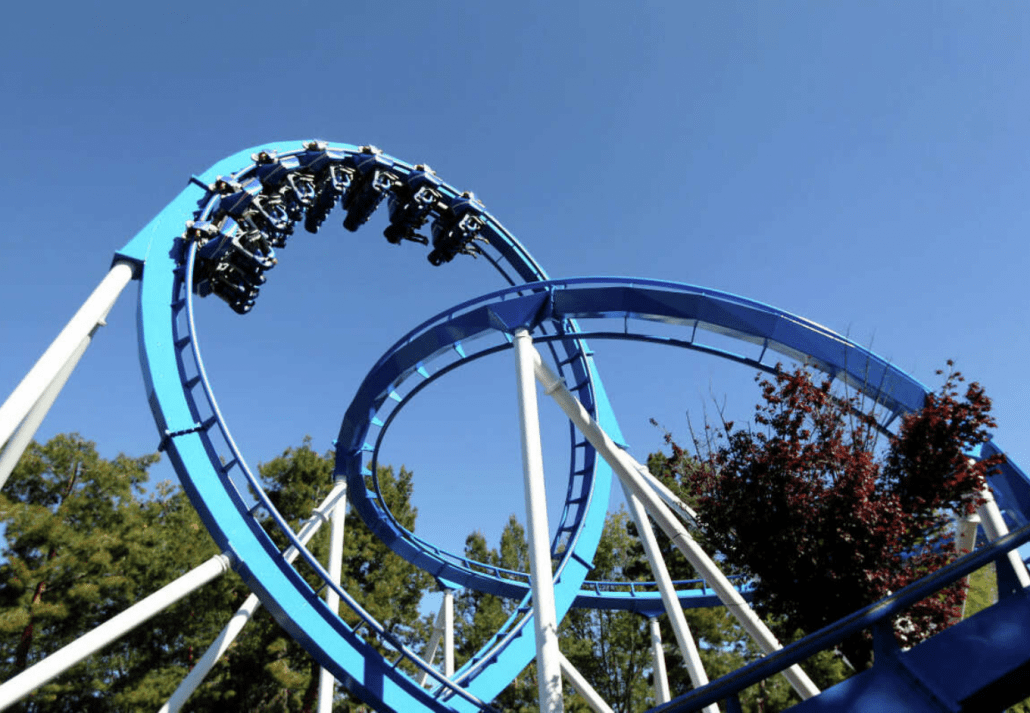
(730, 685)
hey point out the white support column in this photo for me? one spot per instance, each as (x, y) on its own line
(326, 682)
(214, 652)
(582, 686)
(222, 642)
(94, 309)
(691, 657)
(443, 629)
(434, 642)
(17, 444)
(995, 527)
(965, 541)
(542, 585)
(56, 663)
(626, 469)
(448, 632)
(669, 497)
(661, 677)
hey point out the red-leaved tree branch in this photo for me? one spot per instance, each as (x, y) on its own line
(803, 502)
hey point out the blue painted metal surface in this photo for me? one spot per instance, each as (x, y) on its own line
(634, 305)
(218, 236)
(256, 197)
(937, 675)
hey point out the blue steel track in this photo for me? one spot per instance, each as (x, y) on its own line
(220, 236)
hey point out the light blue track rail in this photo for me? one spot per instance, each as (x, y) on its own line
(226, 230)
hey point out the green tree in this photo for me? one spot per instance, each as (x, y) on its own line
(267, 669)
(611, 649)
(478, 616)
(83, 542)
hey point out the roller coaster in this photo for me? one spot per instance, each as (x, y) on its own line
(224, 234)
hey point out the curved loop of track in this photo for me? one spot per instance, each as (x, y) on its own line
(763, 333)
(218, 480)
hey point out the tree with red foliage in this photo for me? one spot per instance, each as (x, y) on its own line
(804, 503)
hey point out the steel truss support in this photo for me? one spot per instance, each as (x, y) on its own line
(25, 408)
(627, 471)
(61, 660)
(548, 656)
(326, 682)
(224, 639)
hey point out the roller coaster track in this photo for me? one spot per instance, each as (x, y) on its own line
(223, 236)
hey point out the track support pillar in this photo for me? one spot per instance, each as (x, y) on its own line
(326, 682)
(548, 656)
(25, 408)
(583, 687)
(61, 660)
(673, 608)
(246, 611)
(995, 527)
(626, 469)
(661, 677)
(448, 632)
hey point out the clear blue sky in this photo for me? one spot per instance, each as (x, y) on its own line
(861, 164)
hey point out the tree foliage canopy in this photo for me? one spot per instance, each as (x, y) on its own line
(804, 503)
(84, 541)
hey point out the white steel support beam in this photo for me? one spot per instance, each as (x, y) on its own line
(18, 442)
(448, 632)
(434, 642)
(582, 686)
(626, 470)
(691, 657)
(246, 611)
(995, 527)
(214, 652)
(46, 370)
(326, 682)
(56, 663)
(443, 629)
(669, 497)
(965, 541)
(661, 677)
(548, 656)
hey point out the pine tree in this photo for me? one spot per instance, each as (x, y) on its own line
(611, 649)
(81, 545)
(83, 541)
